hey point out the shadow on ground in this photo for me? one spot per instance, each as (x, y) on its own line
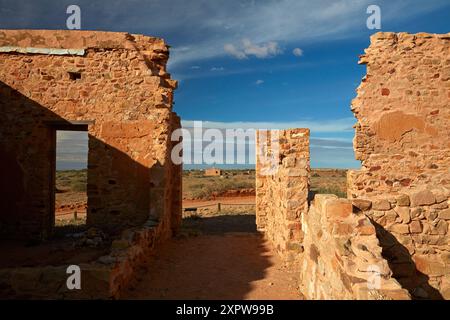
(225, 259)
(222, 224)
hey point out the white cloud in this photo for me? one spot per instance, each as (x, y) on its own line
(283, 21)
(217, 69)
(297, 52)
(212, 24)
(258, 82)
(248, 48)
(215, 23)
(231, 49)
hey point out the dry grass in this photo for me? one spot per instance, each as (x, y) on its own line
(71, 180)
(329, 181)
(71, 187)
(198, 186)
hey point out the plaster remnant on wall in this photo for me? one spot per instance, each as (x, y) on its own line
(50, 51)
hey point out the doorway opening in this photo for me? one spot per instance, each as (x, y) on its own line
(70, 178)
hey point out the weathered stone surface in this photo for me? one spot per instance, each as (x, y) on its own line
(114, 86)
(337, 264)
(404, 214)
(415, 227)
(403, 200)
(399, 228)
(282, 187)
(121, 94)
(362, 204)
(338, 208)
(381, 204)
(402, 135)
(403, 140)
(422, 198)
(444, 214)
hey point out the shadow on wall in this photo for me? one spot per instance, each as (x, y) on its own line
(221, 264)
(403, 267)
(118, 188)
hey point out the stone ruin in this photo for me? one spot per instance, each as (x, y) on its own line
(114, 86)
(390, 238)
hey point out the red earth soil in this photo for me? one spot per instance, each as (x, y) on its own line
(227, 260)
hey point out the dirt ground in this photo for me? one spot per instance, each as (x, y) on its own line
(217, 254)
(217, 257)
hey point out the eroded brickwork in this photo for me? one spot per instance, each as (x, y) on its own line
(342, 258)
(395, 223)
(413, 231)
(115, 86)
(403, 139)
(282, 185)
(403, 111)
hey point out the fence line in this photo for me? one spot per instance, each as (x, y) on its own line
(221, 204)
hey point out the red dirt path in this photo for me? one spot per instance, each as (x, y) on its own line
(227, 260)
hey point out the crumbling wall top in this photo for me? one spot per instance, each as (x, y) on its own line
(67, 39)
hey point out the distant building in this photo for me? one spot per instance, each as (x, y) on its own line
(213, 172)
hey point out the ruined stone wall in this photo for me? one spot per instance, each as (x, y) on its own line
(117, 87)
(342, 258)
(282, 185)
(395, 223)
(403, 139)
(414, 233)
(403, 111)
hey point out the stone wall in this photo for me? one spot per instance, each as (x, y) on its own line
(108, 277)
(396, 217)
(115, 86)
(282, 185)
(403, 139)
(414, 233)
(403, 111)
(342, 258)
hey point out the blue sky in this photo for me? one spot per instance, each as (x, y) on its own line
(276, 63)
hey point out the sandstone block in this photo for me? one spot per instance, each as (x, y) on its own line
(343, 229)
(338, 208)
(422, 198)
(440, 206)
(404, 214)
(431, 215)
(445, 292)
(403, 200)
(415, 227)
(444, 214)
(390, 216)
(320, 199)
(366, 230)
(416, 213)
(362, 204)
(440, 228)
(399, 228)
(381, 204)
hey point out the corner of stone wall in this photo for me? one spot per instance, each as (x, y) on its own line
(342, 258)
(282, 186)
